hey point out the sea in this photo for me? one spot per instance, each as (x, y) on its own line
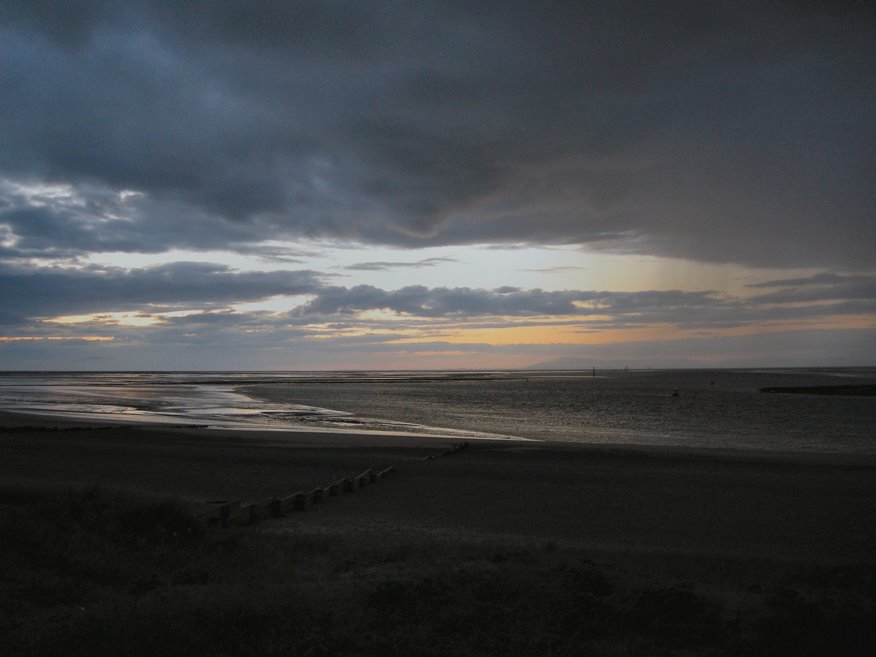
(718, 409)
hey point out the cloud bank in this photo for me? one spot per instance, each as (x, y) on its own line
(48, 292)
(180, 316)
(737, 132)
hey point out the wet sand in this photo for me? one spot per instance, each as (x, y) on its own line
(641, 500)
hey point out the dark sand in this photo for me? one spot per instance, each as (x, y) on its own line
(816, 507)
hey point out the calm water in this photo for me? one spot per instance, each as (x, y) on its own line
(717, 409)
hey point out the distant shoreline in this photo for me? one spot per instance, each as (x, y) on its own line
(857, 390)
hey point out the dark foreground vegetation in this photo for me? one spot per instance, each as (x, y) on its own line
(97, 573)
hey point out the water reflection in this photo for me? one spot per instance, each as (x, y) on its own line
(148, 397)
(714, 409)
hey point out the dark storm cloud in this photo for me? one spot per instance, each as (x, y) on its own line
(715, 131)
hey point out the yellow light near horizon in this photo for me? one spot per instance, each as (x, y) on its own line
(130, 318)
(543, 335)
(417, 360)
(537, 334)
(581, 334)
(117, 318)
(328, 333)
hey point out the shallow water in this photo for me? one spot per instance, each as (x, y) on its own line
(194, 398)
(714, 408)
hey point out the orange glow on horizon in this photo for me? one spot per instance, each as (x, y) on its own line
(580, 334)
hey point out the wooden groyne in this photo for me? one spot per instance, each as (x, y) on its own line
(450, 451)
(227, 513)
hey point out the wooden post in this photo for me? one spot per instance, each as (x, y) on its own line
(299, 501)
(250, 513)
(383, 474)
(227, 513)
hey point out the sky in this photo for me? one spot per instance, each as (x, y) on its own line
(280, 185)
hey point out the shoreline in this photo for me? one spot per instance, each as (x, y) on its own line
(12, 420)
(640, 499)
(847, 390)
(155, 421)
(715, 413)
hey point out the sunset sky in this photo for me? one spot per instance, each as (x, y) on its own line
(381, 185)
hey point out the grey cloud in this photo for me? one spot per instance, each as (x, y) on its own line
(93, 219)
(270, 340)
(553, 270)
(820, 288)
(51, 291)
(725, 132)
(822, 278)
(386, 266)
(623, 309)
(438, 302)
(48, 291)
(599, 309)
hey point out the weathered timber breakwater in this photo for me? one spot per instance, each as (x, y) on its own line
(224, 513)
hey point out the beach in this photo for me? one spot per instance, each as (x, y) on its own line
(619, 499)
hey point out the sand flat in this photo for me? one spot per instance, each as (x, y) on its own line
(683, 501)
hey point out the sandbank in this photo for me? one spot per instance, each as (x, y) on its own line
(714, 503)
